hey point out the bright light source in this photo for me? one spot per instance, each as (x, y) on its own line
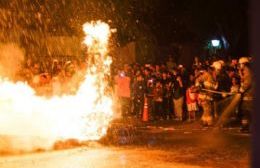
(215, 43)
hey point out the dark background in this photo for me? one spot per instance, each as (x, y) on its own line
(159, 27)
(255, 49)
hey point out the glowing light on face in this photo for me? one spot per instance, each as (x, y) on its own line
(83, 116)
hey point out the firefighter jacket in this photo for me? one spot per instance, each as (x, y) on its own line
(247, 84)
(206, 81)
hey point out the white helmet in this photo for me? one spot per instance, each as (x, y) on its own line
(243, 60)
(217, 65)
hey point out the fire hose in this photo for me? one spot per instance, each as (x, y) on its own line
(234, 101)
(228, 110)
(218, 92)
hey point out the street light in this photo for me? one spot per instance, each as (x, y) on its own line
(215, 43)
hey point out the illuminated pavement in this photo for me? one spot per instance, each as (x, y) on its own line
(88, 158)
(150, 146)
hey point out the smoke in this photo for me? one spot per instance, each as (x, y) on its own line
(20, 144)
(14, 138)
(29, 121)
(11, 57)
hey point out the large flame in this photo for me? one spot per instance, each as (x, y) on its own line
(83, 116)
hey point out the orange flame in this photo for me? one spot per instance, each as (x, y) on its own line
(83, 116)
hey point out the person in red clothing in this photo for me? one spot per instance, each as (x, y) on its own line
(123, 92)
(191, 102)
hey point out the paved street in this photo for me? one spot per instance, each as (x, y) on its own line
(148, 145)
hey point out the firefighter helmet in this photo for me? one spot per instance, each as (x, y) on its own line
(243, 60)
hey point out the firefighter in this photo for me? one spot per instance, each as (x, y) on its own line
(205, 80)
(224, 85)
(247, 93)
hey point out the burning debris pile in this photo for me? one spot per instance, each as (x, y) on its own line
(39, 121)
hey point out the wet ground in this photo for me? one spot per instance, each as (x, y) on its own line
(160, 144)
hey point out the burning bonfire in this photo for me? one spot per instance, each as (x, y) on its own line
(83, 116)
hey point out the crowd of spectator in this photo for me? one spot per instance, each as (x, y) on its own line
(53, 77)
(169, 88)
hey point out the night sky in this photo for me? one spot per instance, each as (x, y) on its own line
(196, 21)
(152, 24)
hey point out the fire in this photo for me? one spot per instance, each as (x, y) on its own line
(83, 116)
